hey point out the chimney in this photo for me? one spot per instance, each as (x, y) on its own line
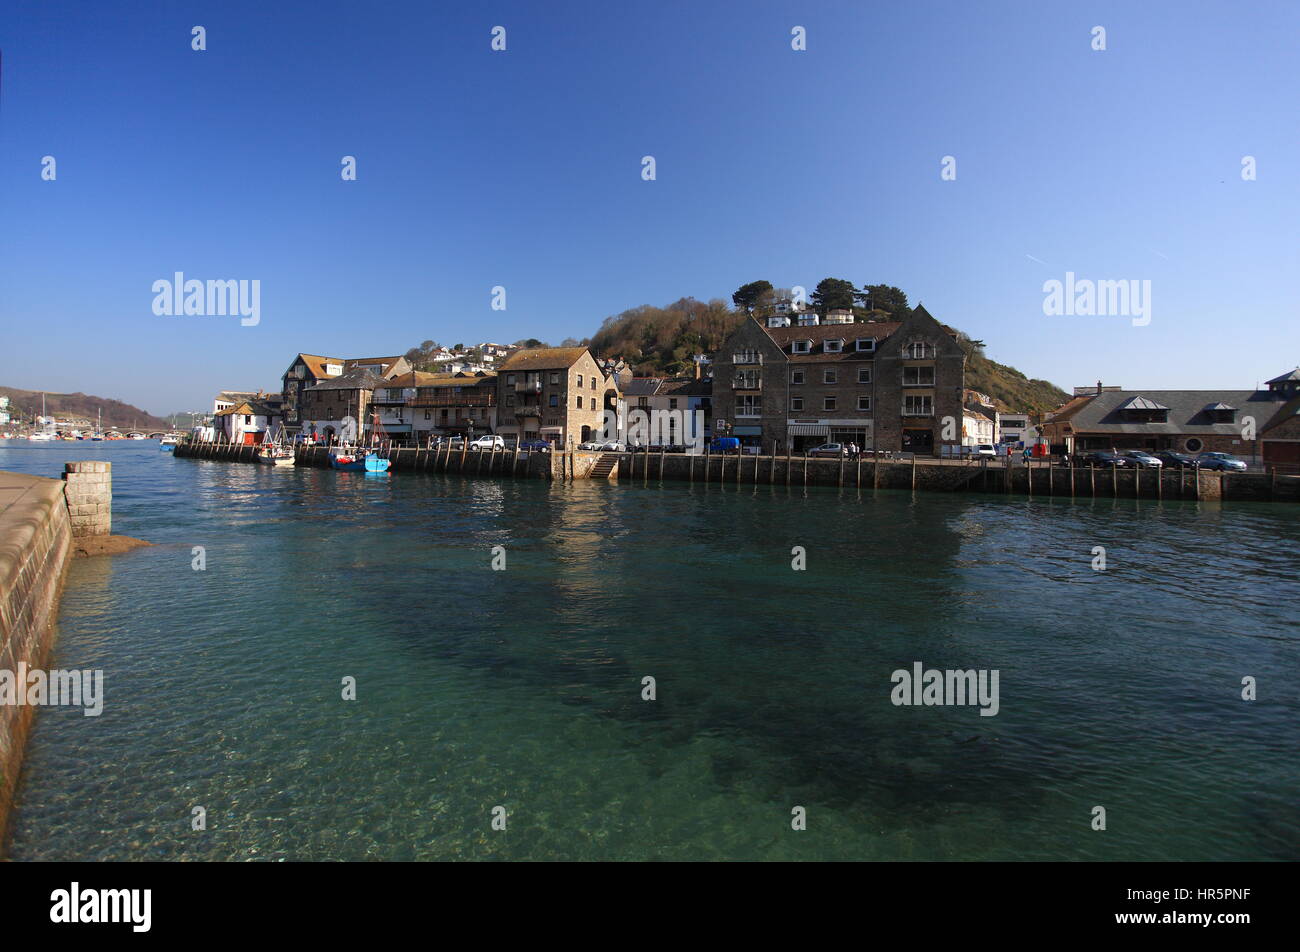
(1099, 386)
(697, 369)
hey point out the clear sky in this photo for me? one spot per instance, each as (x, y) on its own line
(523, 169)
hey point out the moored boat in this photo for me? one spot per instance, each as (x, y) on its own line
(359, 462)
(273, 455)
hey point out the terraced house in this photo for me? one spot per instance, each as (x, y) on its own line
(557, 394)
(447, 405)
(884, 385)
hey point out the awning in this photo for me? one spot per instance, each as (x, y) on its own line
(807, 429)
(551, 429)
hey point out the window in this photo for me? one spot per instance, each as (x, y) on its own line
(867, 344)
(796, 403)
(749, 405)
(864, 403)
(746, 357)
(801, 346)
(579, 383)
(918, 376)
(672, 403)
(555, 378)
(796, 376)
(580, 403)
(555, 400)
(643, 401)
(833, 346)
(918, 405)
(920, 350)
(593, 387)
(828, 403)
(747, 380)
(510, 399)
(864, 375)
(830, 376)
(510, 380)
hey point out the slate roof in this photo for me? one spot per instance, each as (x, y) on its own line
(357, 380)
(1286, 377)
(643, 386)
(1100, 413)
(784, 337)
(688, 387)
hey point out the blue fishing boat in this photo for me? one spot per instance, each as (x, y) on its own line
(356, 463)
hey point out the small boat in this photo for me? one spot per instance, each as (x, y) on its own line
(357, 463)
(273, 455)
(169, 441)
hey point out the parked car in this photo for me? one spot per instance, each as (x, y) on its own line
(829, 449)
(535, 446)
(1176, 460)
(611, 446)
(724, 444)
(488, 443)
(1106, 460)
(1222, 462)
(1142, 459)
(985, 450)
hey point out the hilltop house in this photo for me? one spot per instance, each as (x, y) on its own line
(886, 385)
(557, 394)
(1185, 421)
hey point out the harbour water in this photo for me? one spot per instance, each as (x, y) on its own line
(523, 688)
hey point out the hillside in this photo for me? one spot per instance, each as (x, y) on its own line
(23, 404)
(1009, 388)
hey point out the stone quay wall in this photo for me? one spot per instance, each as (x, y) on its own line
(35, 546)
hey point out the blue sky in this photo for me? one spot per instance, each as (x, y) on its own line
(523, 169)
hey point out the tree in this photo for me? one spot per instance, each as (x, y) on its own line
(832, 293)
(755, 294)
(886, 298)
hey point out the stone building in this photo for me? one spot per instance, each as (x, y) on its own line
(1185, 421)
(308, 370)
(339, 409)
(884, 385)
(557, 394)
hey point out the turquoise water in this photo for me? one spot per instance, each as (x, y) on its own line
(522, 688)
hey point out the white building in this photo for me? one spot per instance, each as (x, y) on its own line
(249, 421)
(1012, 427)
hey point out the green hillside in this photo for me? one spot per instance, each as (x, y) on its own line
(24, 404)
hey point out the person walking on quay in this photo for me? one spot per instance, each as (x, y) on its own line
(1027, 454)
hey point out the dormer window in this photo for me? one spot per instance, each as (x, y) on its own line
(801, 347)
(865, 345)
(1142, 410)
(1221, 413)
(833, 346)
